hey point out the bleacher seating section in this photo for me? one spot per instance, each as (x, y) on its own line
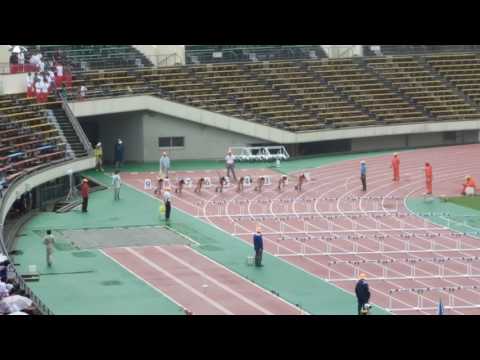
(305, 95)
(28, 138)
(295, 95)
(424, 49)
(94, 57)
(204, 54)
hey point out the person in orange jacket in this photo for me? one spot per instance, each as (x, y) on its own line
(470, 186)
(428, 177)
(396, 167)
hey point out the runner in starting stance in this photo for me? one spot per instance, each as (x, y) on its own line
(260, 183)
(240, 184)
(221, 183)
(199, 186)
(301, 179)
(179, 188)
(158, 190)
(282, 182)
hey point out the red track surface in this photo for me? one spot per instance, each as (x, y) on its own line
(197, 283)
(295, 226)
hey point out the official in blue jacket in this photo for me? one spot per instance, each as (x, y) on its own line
(118, 153)
(363, 175)
(258, 246)
(363, 293)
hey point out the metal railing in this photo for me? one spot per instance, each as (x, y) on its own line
(11, 191)
(76, 126)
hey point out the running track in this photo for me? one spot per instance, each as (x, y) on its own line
(333, 221)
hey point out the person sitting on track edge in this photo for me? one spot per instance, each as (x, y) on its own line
(260, 183)
(469, 186)
(198, 188)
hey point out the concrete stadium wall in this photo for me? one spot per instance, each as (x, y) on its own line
(377, 143)
(201, 141)
(13, 83)
(140, 131)
(4, 54)
(34, 180)
(157, 54)
(413, 140)
(126, 126)
(363, 138)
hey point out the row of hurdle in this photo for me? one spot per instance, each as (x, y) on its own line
(440, 262)
(322, 243)
(329, 222)
(422, 292)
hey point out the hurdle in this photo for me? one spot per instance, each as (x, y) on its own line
(449, 291)
(259, 153)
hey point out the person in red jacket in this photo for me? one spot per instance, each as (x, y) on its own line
(84, 189)
(396, 167)
(428, 177)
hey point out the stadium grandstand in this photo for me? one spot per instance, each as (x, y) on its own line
(279, 115)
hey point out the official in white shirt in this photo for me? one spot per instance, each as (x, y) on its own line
(230, 164)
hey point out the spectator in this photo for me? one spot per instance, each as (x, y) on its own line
(64, 93)
(118, 151)
(116, 183)
(51, 79)
(13, 63)
(30, 90)
(167, 199)
(67, 77)
(59, 78)
(258, 246)
(5, 289)
(21, 61)
(164, 164)
(98, 156)
(363, 293)
(49, 241)
(38, 90)
(3, 184)
(83, 92)
(363, 175)
(41, 66)
(45, 87)
(4, 268)
(230, 164)
(85, 192)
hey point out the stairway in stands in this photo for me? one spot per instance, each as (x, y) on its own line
(69, 132)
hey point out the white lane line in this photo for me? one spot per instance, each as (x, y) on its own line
(215, 281)
(142, 279)
(181, 282)
(245, 279)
